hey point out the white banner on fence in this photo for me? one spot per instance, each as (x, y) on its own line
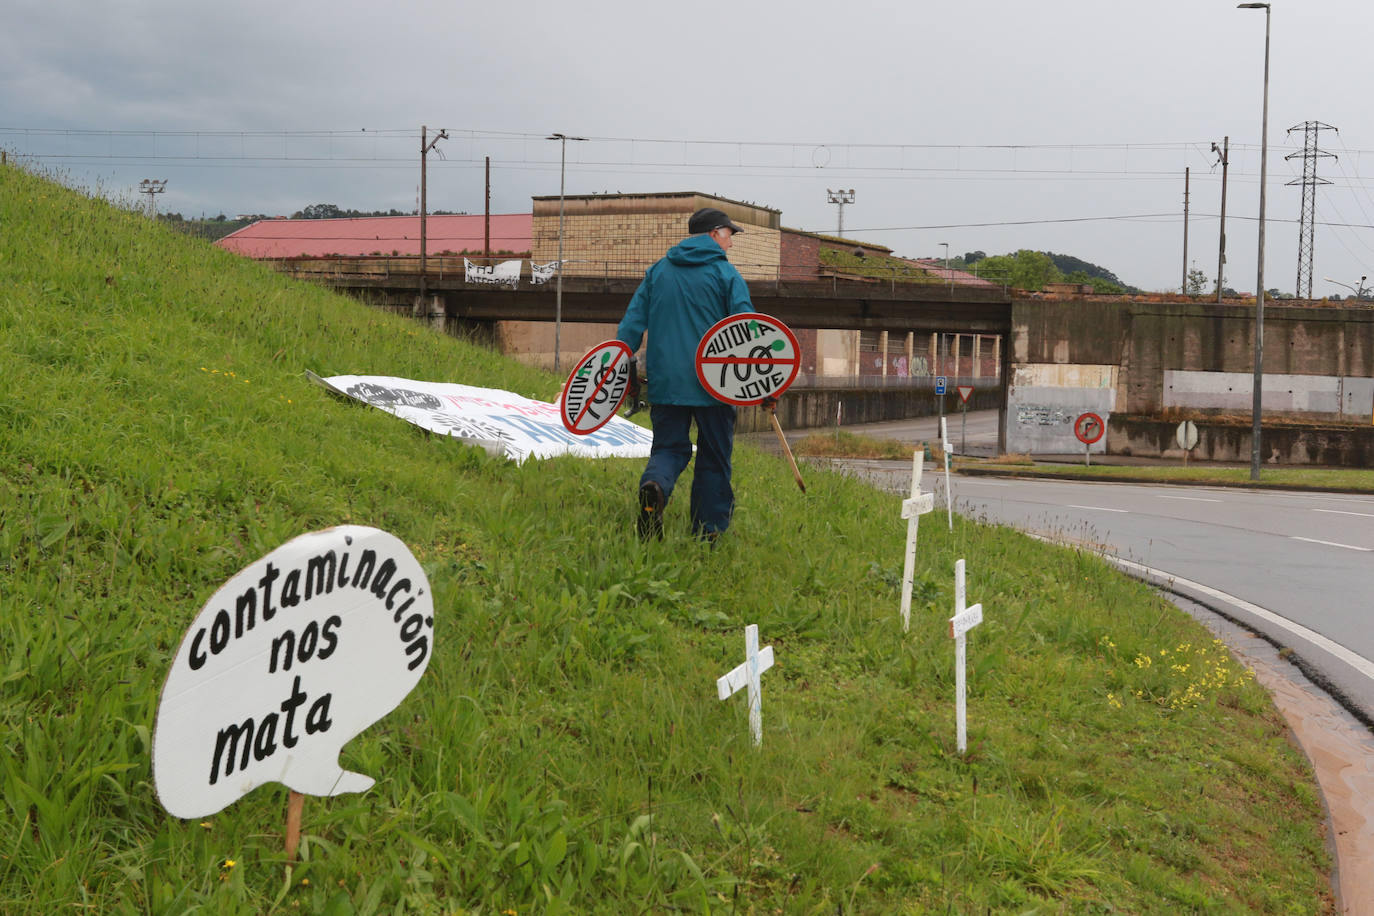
(502, 422)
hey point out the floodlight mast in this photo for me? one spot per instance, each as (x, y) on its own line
(840, 198)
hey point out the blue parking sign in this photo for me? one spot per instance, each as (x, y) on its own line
(940, 382)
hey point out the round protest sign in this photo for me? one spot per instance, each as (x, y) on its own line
(289, 661)
(594, 390)
(745, 358)
(1089, 428)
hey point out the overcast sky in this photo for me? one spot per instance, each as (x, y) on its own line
(1063, 125)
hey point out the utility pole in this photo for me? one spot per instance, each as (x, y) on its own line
(1307, 224)
(840, 198)
(558, 292)
(1225, 154)
(425, 147)
(152, 186)
(1187, 173)
(486, 238)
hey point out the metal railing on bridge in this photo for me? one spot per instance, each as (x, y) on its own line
(445, 270)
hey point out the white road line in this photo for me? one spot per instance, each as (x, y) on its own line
(1195, 499)
(1333, 544)
(1358, 662)
(1343, 512)
(1098, 508)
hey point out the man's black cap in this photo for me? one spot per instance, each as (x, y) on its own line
(708, 219)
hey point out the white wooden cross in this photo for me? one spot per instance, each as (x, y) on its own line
(747, 675)
(944, 444)
(912, 510)
(964, 619)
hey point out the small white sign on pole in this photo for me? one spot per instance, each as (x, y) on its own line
(747, 675)
(912, 510)
(287, 662)
(949, 499)
(964, 619)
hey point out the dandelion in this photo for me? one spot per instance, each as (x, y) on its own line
(1111, 698)
(207, 825)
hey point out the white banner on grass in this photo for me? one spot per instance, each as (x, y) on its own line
(502, 422)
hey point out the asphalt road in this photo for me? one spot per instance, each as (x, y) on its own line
(1296, 567)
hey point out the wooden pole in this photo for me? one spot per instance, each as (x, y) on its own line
(294, 806)
(786, 449)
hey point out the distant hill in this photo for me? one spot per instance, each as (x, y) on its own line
(1071, 266)
(1028, 269)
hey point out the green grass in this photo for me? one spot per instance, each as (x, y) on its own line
(840, 443)
(1346, 479)
(565, 752)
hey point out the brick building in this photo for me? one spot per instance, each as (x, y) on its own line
(621, 235)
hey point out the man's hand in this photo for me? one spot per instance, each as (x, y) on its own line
(633, 390)
(770, 403)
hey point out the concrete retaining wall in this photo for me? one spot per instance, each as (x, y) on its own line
(815, 408)
(1350, 398)
(1045, 400)
(1334, 446)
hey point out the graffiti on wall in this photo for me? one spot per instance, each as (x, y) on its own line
(1035, 415)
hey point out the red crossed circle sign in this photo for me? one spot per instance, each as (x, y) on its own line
(1089, 428)
(594, 390)
(745, 358)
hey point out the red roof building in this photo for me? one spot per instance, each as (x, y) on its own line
(380, 235)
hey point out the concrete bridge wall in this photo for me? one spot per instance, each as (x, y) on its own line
(1176, 356)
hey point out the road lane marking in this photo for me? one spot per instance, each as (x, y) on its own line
(1343, 512)
(1196, 499)
(1333, 544)
(1358, 662)
(1098, 508)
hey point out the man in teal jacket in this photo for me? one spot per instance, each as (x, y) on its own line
(687, 291)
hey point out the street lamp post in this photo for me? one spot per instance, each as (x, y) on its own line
(1359, 291)
(1256, 403)
(948, 280)
(558, 293)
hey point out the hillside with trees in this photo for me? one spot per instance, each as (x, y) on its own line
(1027, 269)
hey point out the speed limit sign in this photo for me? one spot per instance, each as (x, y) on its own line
(745, 358)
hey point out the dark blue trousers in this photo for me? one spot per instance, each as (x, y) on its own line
(713, 499)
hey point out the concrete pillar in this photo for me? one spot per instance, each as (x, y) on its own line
(910, 353)
(977, 368)
(436, 312)
(882, 351)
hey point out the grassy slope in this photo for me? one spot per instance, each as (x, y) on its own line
(565, 751)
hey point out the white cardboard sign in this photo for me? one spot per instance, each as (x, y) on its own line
(595, 388)
(745, 358)
(502, 422)
(288, 661)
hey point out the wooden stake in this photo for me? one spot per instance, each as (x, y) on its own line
(786, 449)
(294, 806)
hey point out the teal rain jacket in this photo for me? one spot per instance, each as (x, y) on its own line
(691, 288)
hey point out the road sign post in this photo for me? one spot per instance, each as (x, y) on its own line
(1088, 428)
(965, 392)
(941, 386)
(1187, 438)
